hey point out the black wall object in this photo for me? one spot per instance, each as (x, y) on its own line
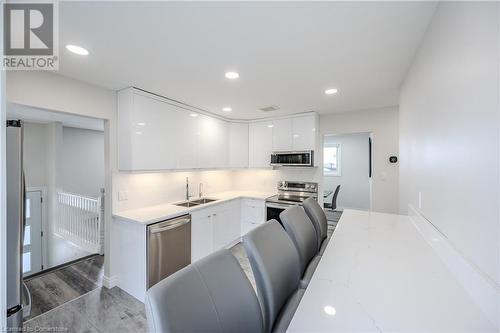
(369, 157)
(393, 159)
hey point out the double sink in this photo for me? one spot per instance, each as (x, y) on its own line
(197, 202)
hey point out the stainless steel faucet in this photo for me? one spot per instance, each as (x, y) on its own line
(200, 190)
(187, 188)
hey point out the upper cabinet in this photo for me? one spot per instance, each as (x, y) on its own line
(260, 144)
(213, 138)
(238, 145)
(295, 133)
(185, 145)
(282, 134)
(304, 132)
(155, 133)
(147, 132)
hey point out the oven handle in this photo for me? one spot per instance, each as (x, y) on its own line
(277, 205)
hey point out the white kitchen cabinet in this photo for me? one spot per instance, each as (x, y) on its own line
(260, 144)
(145, 133)
(282, 134)
(213, 147)
(238, 145)
(185, 146)
(253, 213)
(214, 228)
(201, 234)
(304, 132)
(156, 134)
(226, 225)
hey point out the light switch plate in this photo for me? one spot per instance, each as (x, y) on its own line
(122, 195)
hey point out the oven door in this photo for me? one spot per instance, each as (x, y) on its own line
(273, 210)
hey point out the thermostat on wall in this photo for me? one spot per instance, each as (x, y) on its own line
(393, 159)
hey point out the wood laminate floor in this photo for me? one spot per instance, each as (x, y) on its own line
(52, 289)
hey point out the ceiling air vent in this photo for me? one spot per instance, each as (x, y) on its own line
(270, 108)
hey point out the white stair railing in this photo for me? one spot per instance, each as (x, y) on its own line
(79, 220)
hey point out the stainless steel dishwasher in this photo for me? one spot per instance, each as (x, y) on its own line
(169, 248)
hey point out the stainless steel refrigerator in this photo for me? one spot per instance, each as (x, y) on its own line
(15, 223)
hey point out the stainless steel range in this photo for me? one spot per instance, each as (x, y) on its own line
(290, 193)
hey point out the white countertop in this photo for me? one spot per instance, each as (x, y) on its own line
(378, 274)
(153, 214)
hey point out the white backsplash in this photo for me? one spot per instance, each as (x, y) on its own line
(147, 189)
(266, 180)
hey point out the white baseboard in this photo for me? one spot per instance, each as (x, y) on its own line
(109, 281)
(483, 290)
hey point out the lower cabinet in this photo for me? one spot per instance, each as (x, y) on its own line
(214, 228)
(226, 226)
(220, 226)
(201, 234)
(253, 213)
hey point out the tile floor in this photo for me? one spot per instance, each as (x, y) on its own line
(113, 310)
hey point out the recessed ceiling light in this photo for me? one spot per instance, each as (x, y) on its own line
(227, 109)
(141, 124)
(331, 91)
(77, 49)
(270, 125)
(232, 75)
(330, 310)
(194, 115)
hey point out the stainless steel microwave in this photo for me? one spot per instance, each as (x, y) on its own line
(293, 158)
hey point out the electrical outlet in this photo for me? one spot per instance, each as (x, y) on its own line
(122, 195)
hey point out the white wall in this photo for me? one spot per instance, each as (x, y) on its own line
(83, 161)
(383, 124)
(35, 154)
(449, 129)
(147, 189)
(353, 180)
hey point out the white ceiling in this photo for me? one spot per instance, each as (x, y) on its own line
(42, 116)
(287, 53)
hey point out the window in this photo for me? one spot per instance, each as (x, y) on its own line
(331, 160)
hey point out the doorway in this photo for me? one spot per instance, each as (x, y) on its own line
(33, 233)
(64, 172)
(347, 170)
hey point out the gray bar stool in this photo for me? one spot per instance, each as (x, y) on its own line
(210, 295)
(303, 235)
(275, 265)
(318, 218)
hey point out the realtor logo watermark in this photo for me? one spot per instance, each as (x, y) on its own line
(30, 36)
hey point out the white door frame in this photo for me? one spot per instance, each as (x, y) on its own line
(44, 226)
(370, 180)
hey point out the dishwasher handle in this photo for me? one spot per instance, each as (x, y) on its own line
(167, 225)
